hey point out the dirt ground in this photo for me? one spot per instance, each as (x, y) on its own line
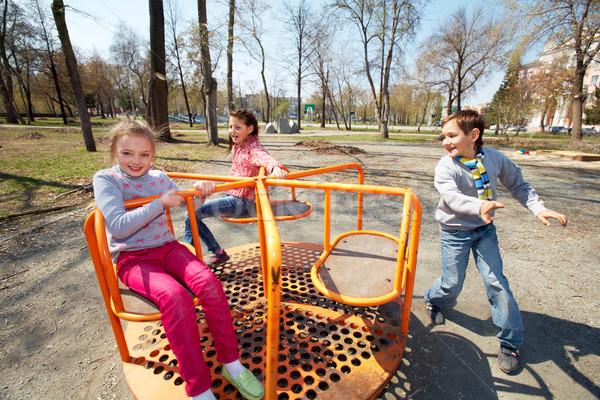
(56, 342)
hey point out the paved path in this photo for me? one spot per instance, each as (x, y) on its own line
(457, 360)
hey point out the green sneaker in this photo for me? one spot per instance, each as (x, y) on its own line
(246, 383)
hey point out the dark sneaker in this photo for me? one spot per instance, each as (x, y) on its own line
(218, 258)
(508, 359)
(435, 315)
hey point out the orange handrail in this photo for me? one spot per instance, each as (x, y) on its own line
(115, 322)
(335, 168)
(270, 250)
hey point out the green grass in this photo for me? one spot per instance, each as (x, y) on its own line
(38, 164)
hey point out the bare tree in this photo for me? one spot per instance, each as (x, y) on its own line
(383, 26)
(427, 80)
(230, 40)
(301, 24)
(95, 73)
(58, 10)
(346, 91)
(573, 25)
(432, 70)
(550, 84)
(158, 113)
(6, 84)
(210, 83)
(19, 54)
(323, 37)
(251, 17)
(467, 48)
(127, 55)
(512, 102)
(49, 45)
(173, 17)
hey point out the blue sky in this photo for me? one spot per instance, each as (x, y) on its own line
(88, 34)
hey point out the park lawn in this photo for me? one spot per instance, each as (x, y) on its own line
(39, 164)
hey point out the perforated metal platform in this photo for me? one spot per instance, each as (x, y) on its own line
(327, 350)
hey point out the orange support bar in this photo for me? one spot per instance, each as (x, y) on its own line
(270, 248)
(270, 251)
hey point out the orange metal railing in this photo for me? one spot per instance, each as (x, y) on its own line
(270, 250)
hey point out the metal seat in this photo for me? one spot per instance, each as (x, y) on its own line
(283, 210)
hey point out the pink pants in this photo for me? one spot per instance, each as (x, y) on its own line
(156, 274)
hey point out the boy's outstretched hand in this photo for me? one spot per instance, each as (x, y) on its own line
(544, 215)
(485, 212)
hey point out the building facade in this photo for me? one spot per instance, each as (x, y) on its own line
(560, 114)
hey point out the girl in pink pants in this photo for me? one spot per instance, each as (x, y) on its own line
(151, 262)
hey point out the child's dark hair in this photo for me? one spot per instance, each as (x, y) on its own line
(249, 120)
(130, 127)
(467, 120)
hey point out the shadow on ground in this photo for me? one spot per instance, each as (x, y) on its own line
(447, 365)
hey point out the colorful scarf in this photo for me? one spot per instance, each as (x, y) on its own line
(482, 181)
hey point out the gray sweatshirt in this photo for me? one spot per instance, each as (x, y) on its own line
(458, 208)
(139, 228)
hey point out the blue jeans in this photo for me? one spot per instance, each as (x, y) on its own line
(483, 241)
(227, 205)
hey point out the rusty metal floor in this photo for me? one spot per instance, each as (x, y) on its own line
(327, 350)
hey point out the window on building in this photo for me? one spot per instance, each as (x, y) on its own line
(594, 80)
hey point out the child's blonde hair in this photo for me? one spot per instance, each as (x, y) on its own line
(130, 127)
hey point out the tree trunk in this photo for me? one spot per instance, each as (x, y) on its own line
(542, 119)
(180, 71)
(264, 79)
(158, 93)
(578, 99)
(299, 93)
(28, 97)
(210, 84)
(58, 91)
(185, 96)
(102, 114)
(58, 10)
(6, 86)
(7, 97)
(424, 113)
(230, 105)
(325, 88)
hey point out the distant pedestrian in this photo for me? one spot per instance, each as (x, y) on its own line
(466, 179)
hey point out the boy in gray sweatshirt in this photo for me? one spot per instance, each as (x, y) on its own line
(466, 180)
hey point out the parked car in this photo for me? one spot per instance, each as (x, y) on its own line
(564, 130)
(556, 129)
(499, 128)
(589, 131)
(516, 128)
